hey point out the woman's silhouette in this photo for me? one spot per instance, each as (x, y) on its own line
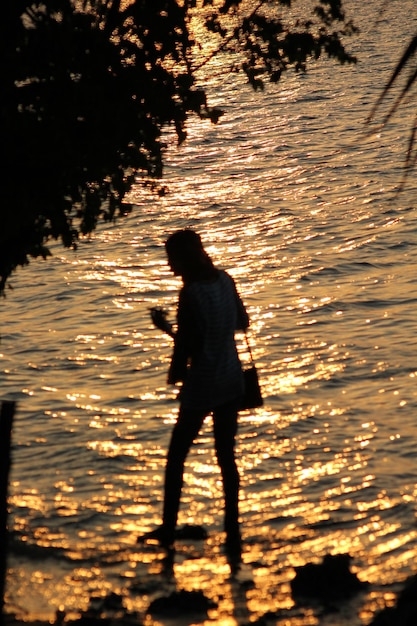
(206, 362)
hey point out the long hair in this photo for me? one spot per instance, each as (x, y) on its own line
(186, 246)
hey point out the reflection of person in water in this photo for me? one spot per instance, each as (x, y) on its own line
(206, 361)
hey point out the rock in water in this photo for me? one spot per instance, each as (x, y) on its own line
(329, 580)
(192, 532)
(180, 603)
(404, 613)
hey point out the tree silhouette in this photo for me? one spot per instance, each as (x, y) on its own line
(89, 85)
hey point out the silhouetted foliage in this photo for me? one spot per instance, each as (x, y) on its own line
(406, 69)
(88, 86)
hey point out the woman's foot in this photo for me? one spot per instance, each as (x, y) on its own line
(160, 534)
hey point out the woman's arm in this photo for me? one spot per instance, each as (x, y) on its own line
(183, 340)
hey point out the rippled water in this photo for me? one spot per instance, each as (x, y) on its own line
(300, 207)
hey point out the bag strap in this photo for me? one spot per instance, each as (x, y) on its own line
(249, 350)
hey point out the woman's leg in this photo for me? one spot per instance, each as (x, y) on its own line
(225, 429)
(185, 431)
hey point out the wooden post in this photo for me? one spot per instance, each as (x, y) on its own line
(6, 418)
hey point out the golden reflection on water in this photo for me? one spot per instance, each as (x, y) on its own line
(316, 460)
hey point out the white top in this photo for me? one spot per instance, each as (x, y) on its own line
(205, 357)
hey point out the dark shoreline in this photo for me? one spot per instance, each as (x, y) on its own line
(403, 613)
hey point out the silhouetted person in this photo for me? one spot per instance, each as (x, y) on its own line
(206, 361)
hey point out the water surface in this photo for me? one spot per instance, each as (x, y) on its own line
(292, 198)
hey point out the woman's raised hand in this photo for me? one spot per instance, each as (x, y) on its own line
(159, 318)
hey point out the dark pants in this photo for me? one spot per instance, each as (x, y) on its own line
(185, 431)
